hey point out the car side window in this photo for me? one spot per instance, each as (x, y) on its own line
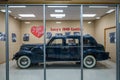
(87, 42)
(56, 42)
(71, 41)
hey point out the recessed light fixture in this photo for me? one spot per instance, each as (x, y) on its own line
(97, 17)
(27, 22)
(3, 10)
(89, 22)
(58, 22)
(89, 15)
(17, 6)
(26, 15)
(57, 15)
(98, 6)
(58, 11)
(110, 11)
(57, 6)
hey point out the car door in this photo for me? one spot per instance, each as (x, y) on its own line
(37, 54)
(54, 49)
(71, 49)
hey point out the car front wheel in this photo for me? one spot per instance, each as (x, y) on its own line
(23, 62)
(89, 61)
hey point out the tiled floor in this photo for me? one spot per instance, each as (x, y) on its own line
(105, 70)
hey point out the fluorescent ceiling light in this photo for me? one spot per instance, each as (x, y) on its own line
(26, 15)
(59, 11)
(57, 15)
(111, 10)
(57, 6)
(27, 22)
(89, 15)
(97, 17)
(98, 6)
(89, 22)
(17, 6)
(58, 22)
(3, 10)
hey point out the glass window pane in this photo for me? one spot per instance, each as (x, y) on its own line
(63, 27)
(26, 42)
(2, 44)
(99, 42)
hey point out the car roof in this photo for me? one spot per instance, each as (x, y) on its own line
(73, 36)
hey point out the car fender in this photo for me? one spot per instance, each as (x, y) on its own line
(90, 52)
(22, 53)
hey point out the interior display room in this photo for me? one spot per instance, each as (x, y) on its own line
(96, 29)
(101, 29)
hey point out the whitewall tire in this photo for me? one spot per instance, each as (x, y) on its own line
(89, 61)
(23, 62)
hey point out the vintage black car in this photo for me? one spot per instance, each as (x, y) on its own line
(62, 48)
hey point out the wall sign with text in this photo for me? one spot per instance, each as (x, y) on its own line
(65, 29)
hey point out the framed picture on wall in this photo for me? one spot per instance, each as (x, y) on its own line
(112, 37)
(2, 36)
(58, 34)
(49, 35)
(13, 37)
(76, 33)
(67, 33)
(26, 37)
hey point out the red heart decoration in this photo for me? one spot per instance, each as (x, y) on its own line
(37, 31)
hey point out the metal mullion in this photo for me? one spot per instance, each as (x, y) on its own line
(7, 41)
(44, 17)
(81, 39)
(117, 43)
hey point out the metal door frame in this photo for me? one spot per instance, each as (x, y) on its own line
(81, 26)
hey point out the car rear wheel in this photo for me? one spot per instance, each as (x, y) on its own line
(89, 61)
(23, 62)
